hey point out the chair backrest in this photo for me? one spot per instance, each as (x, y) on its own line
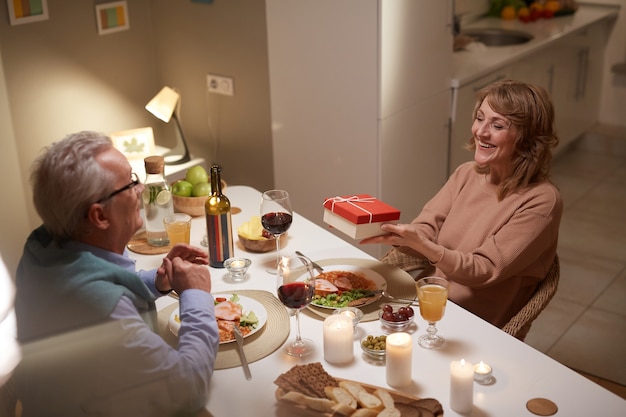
(520, 323)
(403, 261)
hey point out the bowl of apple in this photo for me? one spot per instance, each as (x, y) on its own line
(190, 193)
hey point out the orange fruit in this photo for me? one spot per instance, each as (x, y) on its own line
(536, 6)
(553, 6)
(523, 14)
(508, 13)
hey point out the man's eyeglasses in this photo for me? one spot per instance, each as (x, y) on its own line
(128, 186)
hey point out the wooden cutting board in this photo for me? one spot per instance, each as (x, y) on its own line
(408, 405)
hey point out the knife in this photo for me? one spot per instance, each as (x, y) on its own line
(242, 355)
(313, 264)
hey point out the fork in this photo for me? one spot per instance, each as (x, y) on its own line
(242, 355)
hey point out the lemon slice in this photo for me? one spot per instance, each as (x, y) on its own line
(163, 197)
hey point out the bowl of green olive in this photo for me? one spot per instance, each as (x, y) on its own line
(374, 346)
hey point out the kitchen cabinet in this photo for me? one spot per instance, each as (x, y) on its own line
(578, 81)
(360, 96)
(571, 70)
(463, 101)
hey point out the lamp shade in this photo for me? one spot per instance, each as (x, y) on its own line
(164, 104)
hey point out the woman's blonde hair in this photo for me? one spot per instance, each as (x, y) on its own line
(529, 108)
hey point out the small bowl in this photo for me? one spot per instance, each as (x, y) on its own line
(194, 206)
(237, 267)
(377, 354)
(396, 326)
(352, 312)
(259, 245)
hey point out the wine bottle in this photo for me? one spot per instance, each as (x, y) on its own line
(218, 222)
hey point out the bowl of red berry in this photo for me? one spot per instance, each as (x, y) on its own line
(397, 319)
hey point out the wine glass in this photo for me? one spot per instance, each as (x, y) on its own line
(276, 216)
(295, 287)
(432, 293)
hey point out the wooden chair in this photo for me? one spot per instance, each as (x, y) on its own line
(520, 323)
(403, 261)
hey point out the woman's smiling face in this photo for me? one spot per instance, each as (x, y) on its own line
(494, 136)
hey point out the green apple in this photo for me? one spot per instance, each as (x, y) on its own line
(182, 188)
(201, 189)
(196, 175)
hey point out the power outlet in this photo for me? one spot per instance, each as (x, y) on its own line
(220, 85)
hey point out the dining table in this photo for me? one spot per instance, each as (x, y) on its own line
(519, 372)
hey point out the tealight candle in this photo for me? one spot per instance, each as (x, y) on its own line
(461, 386)
(352, 313)
(482, 373)
(338, 339)
(399, 349)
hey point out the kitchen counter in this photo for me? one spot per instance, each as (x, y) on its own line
(469, 65)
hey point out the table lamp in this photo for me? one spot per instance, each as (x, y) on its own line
(164, 106)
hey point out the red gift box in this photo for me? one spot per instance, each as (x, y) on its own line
(359, 216)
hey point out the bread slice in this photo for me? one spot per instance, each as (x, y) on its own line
(364, 412)
(354, 388)
(341, 396)
(320, 404)
(385, 397)
(363, 398)
(389, 412)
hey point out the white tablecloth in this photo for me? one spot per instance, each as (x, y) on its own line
(521, 373)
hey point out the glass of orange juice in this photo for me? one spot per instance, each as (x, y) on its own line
(432, 293)
(178, 227)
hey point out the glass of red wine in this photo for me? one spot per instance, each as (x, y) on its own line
(276, 216)
(295, 287)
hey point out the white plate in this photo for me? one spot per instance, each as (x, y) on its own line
(379, 280)
(248, 305)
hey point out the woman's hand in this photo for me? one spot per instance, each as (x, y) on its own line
(407, 235)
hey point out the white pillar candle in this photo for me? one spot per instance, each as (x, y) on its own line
(399, 349)
(338, 339)
(461, 386)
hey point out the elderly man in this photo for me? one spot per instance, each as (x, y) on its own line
(85, 317)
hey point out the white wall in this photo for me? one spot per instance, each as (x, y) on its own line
(13, 213)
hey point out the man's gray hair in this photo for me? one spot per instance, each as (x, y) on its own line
(66, 180)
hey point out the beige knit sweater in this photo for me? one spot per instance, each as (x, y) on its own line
(494, 252)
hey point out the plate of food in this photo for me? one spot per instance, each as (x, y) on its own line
(347, 285)
(230, 310)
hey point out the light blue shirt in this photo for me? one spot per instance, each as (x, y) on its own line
(144, 375)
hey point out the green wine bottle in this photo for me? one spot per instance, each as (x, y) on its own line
(218, 222)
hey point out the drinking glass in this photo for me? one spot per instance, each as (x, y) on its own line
(295, 287)
(276, 216)
(432, 293)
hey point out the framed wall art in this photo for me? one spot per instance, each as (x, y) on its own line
(134, 143)
(112, 17)
(27, 11)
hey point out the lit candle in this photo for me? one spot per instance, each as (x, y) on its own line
(338, 339)
(482, 373)
(461, 386)
(349, 314)
(237, 263)
(399, 349)
(353, 313)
